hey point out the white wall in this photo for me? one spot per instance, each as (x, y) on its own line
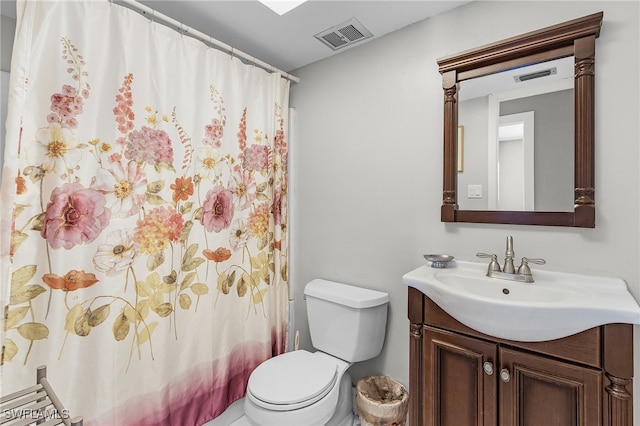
(368, 162)
(7, 31)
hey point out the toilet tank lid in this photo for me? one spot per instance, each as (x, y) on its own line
(343, 294)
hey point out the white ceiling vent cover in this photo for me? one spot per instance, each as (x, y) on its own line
(344, 34)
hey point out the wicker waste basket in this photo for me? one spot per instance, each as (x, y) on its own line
(381, 401)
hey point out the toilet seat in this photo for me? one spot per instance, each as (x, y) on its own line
(292, 380)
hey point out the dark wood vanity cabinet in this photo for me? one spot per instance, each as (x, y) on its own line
(459, 376)
(456, 391)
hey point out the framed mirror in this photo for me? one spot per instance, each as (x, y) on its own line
(522, 152)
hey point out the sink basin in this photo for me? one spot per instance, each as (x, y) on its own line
(556, 305)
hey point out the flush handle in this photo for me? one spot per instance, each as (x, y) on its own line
(488, 368)
(505, 376)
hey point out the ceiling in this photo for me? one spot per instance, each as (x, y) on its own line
(287, 42)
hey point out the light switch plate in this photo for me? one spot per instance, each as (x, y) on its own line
(474, 191)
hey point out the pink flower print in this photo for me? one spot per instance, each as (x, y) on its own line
(124, 101)
(256, 157)
(160, 227)
(69, 91)
(217, 210)
(57, 148)
(67, 105)
(124, 187)
(149, 145)
(243, 187)
(213, 133)
(75, 215)
(279, 142)
(71, 123)
(115, 158)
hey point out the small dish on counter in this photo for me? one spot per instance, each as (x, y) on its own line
(438, 261)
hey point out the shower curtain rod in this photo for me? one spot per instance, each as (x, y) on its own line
(184, 29)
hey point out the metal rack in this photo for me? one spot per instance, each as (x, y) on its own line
(35, 405)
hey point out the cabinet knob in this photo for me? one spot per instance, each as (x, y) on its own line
(488, 368)
(504, 375)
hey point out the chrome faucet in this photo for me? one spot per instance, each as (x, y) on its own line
(508, 271)
(508, 257)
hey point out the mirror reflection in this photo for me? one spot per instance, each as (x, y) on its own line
(516, 142)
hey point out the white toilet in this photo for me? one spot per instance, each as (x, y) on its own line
(347, 325)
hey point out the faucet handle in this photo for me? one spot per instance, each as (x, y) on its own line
(524, 266)
(493, 265)
(534, 260)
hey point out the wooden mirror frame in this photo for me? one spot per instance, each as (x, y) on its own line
(573, 38)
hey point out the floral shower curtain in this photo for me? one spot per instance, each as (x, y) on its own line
(143, 216)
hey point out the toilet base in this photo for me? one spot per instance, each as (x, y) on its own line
(344, 411)
(342, 416)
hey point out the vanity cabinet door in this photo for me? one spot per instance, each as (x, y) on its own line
(535, 390)
(460, 386)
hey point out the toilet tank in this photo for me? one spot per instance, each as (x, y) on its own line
(345, 321)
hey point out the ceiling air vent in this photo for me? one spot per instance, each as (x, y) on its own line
(533, 75)
(344, 35)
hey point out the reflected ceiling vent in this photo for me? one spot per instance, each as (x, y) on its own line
(533, 75)
(344, 34)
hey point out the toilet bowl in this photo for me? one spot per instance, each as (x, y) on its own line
(347, 325)
(305, 386)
